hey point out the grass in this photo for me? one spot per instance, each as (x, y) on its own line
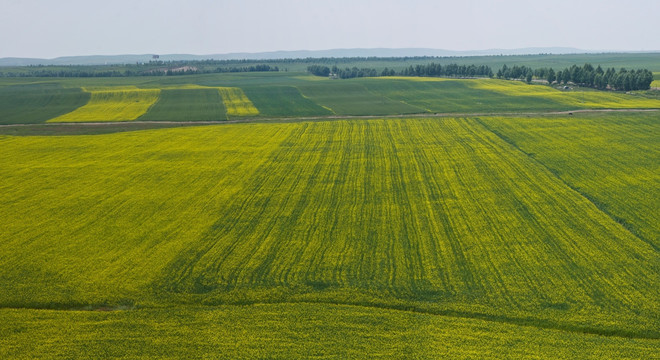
(439, 216)
(36, 103)
(187, 105)
(108, 104)
(236, 103)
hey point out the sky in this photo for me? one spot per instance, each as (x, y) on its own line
(48, 28)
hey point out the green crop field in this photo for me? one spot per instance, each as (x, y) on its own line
(353, 98)
(34, 103)
(393, 237)
(283, 101)
(187, 105)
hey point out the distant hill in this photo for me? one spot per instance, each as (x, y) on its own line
(380, 52)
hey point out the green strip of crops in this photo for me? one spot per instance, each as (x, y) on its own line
(440, 216)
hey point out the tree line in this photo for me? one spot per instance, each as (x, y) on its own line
(432, 69)
(587, 75)
(153, 68)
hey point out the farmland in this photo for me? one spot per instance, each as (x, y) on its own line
(439, 216)
(112, 105)
(275, 95)
(307, 217)
(187, 105)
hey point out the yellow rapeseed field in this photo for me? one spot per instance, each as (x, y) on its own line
(112, 104)
(236, 103)
(576, 97)
(435, 214)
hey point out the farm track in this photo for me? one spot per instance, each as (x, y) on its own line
(332, 117)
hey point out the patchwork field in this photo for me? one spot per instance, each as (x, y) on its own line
(439, 231)
(282, 95)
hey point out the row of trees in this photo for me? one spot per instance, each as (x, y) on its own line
(432, 69)
(586, 75)
(156, 68)
(451, 70)
(347, 73)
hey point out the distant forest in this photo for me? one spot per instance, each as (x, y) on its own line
(587, 75)
(432, 69)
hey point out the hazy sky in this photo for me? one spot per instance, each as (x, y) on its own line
(50, 28)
